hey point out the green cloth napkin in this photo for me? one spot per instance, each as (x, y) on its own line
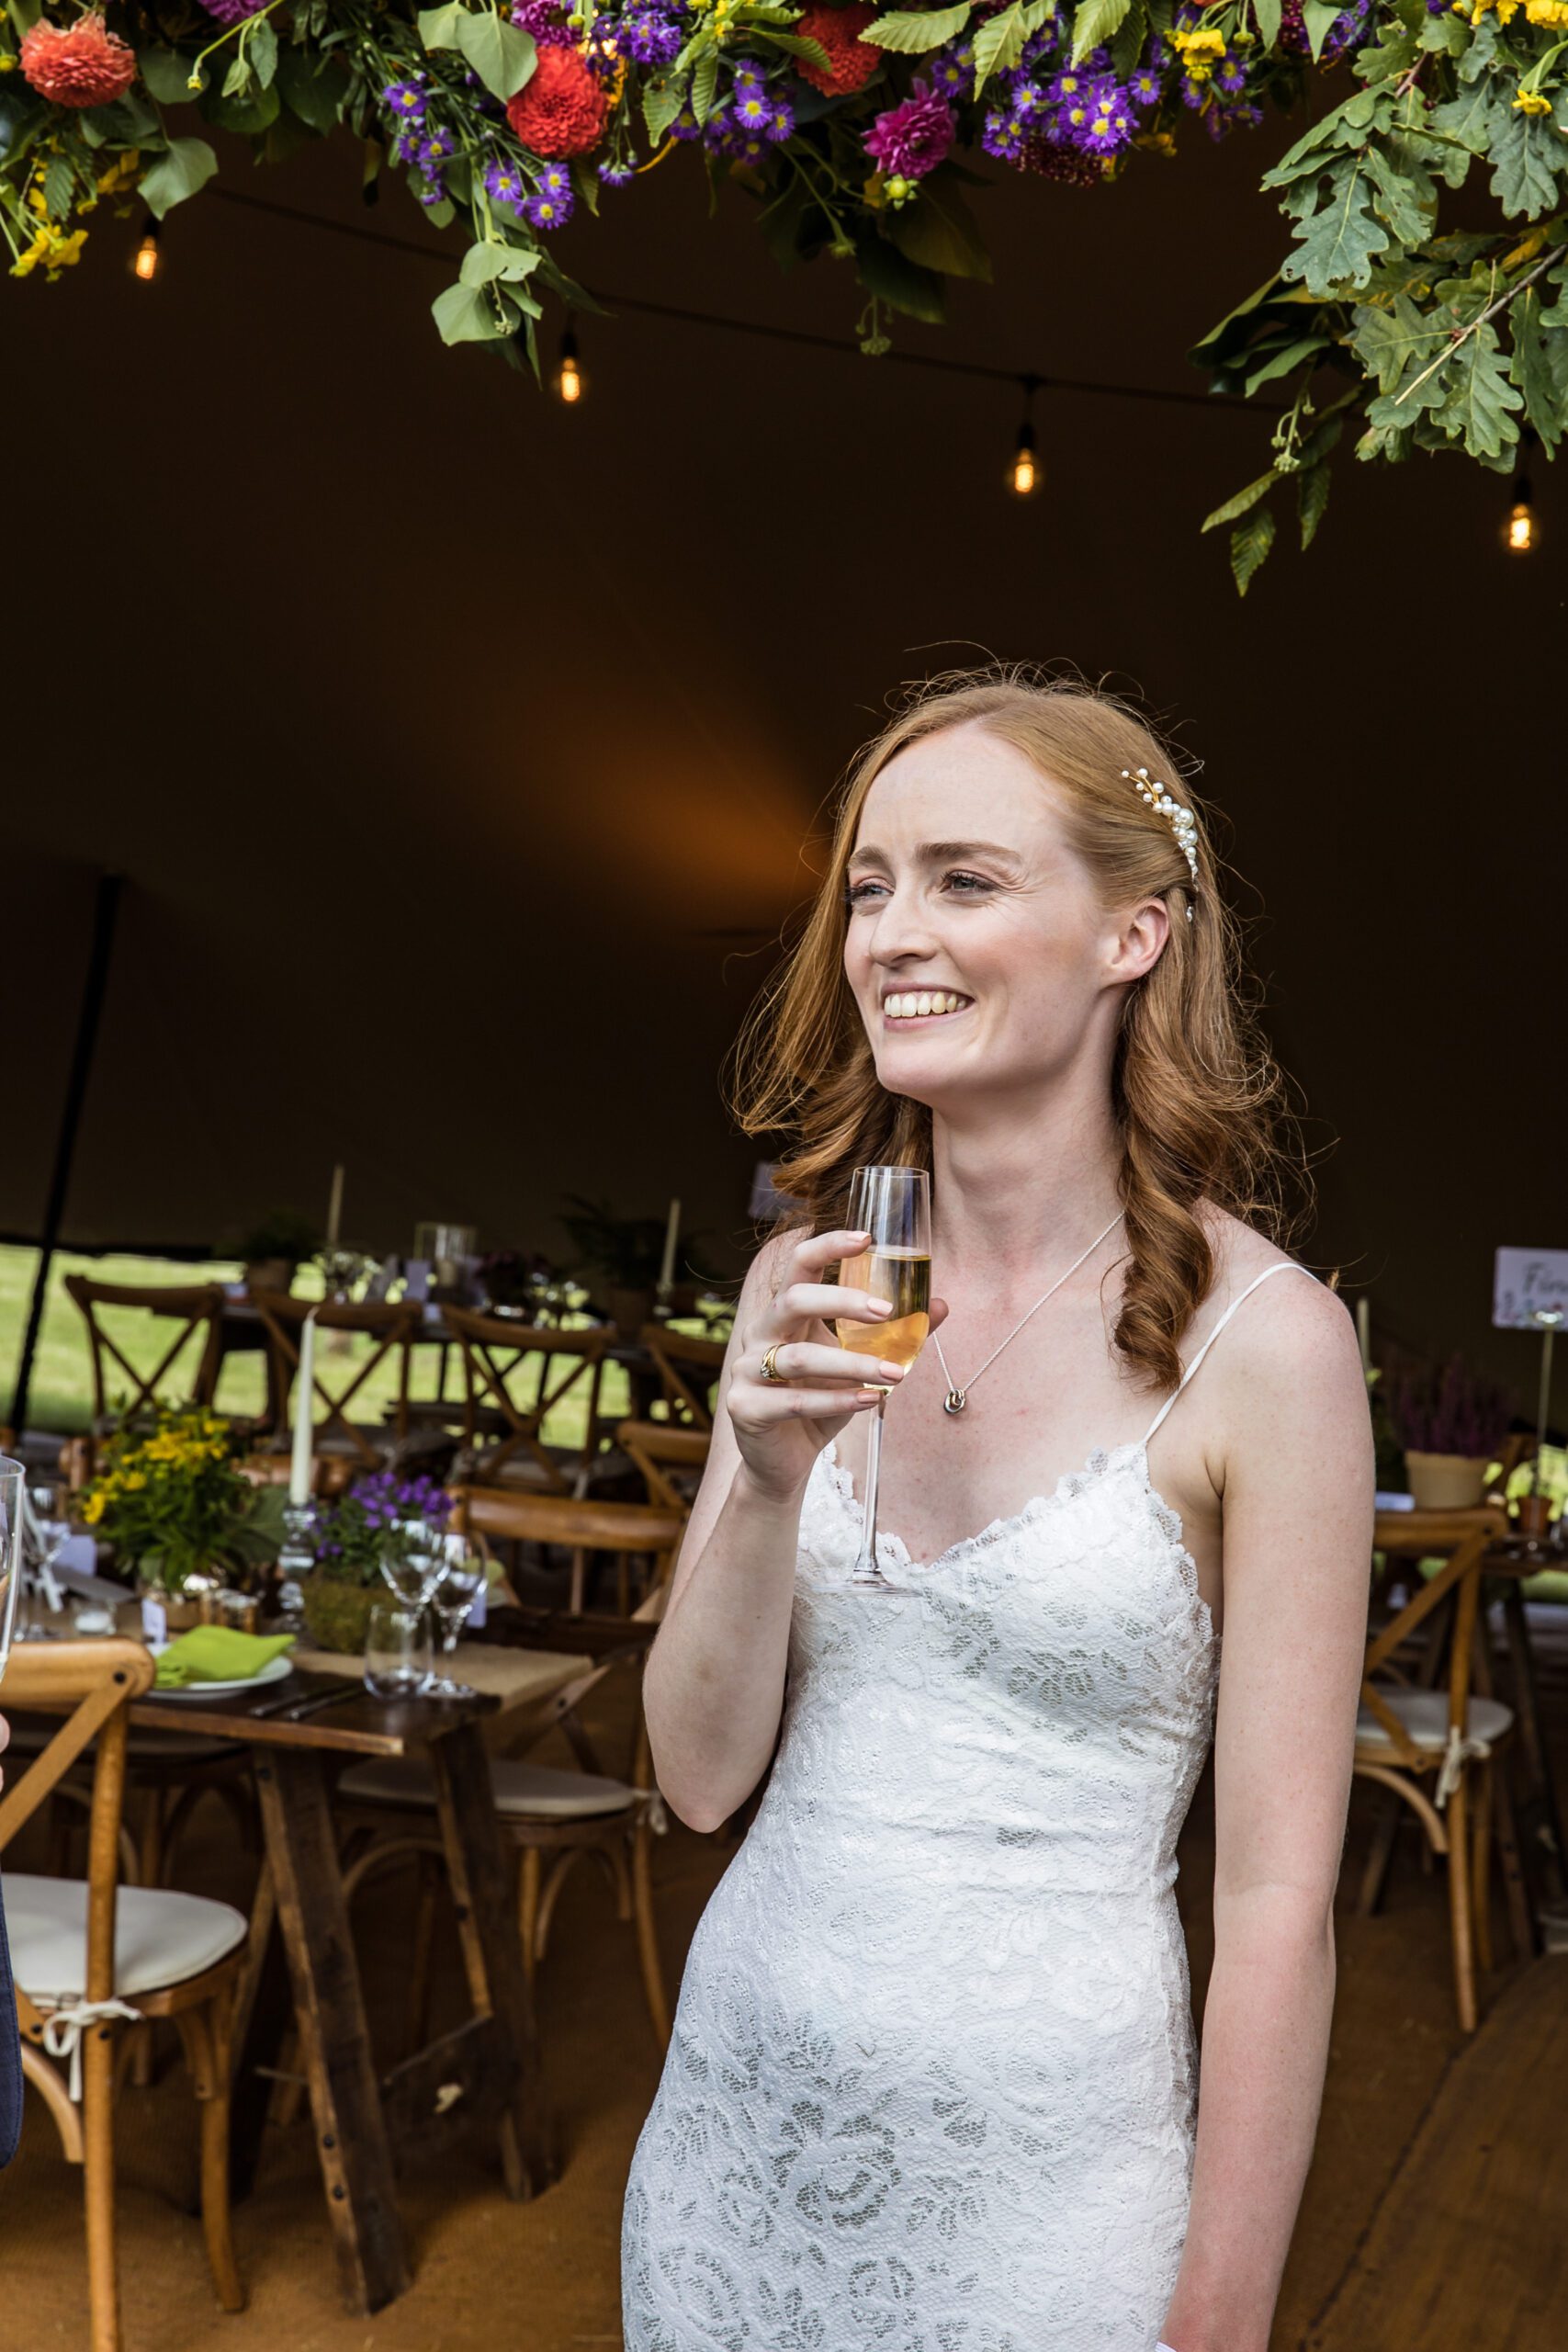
(218, 1654)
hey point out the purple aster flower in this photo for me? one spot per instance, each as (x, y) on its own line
(1002, 136)
(555, 180)
(430, 190)
(651, 36)
(952, 71)
(751, 106)
(541, 18)
(685, 125)
(1096, 61)
(1109, 124)
(780, 120)
(232, 12)
(1070, 83)
(434, 149)
(1161, 55)
(504, 183)
(1026, 98)
(1194, 94)
(1231, 78)
(617, 174)
(911, 140)
(1073, 122)
(748, 76)
(1143, 89)
(1220, 120)
(407, 100)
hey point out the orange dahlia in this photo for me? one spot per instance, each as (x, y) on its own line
(851, 60)
(82, 65)
(561, 110)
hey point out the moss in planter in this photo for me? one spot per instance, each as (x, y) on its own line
(337, 1614)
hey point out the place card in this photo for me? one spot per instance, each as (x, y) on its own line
(1524, 1281)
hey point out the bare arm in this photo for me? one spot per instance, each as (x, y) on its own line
(714, 1686)
(1298, 1527)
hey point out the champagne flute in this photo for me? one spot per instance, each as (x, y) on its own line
(894, 1207)
(13, 1484)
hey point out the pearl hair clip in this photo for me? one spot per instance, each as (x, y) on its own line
(1183, 824)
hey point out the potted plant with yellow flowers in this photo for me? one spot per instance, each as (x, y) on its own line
(172, 1502)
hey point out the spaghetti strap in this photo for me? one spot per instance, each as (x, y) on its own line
(1281, 1266)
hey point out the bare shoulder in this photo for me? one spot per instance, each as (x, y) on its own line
(1291, 1330)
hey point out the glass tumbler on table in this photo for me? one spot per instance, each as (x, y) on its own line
(893, 1206)
(397, 1651)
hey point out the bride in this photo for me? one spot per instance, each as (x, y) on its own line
(932, 2086)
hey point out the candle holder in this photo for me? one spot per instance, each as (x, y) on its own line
(664, 1292)
(295, 1559)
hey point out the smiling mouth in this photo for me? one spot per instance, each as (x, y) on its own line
(923, 1004)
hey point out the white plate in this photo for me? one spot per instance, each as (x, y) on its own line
(273, 1671)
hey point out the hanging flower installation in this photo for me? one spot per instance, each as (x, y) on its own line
(856, 133)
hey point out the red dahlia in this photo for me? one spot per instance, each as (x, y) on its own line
(851, 60)
(561, 111)
(85, 65)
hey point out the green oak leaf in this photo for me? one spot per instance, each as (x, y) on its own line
(1479, 399)
(1338, 242)
(1539, 363)
(1386, 341)
(1525, 151)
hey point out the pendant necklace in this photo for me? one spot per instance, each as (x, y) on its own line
(956, 1399)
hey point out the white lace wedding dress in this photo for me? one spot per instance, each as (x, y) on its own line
(932, 2081)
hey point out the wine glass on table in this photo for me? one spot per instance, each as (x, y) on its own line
(13, 1482)
(894, 1207)
(452, 1603)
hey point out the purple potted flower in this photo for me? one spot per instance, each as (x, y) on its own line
(1450, 1422)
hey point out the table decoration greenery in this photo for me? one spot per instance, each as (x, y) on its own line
(170, 1499)
(1425, 323)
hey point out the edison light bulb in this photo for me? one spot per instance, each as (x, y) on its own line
(1023, 474)
(1521, 532)
(146, 260)
(571, 381)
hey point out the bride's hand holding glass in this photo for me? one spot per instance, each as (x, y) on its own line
(794, 1386)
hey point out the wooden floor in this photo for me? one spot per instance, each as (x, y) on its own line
(1468, 2246)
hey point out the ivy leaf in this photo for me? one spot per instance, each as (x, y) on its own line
(913, 30)
(1243, 501)
(901, 283)
(1250, 542)
(1266, 16)
(439, 27)
(1317, 16)
(1340, 239)
(1478, 398)
(500, 54)
(237, 77)
(485, 262)
(1540, 365)
(1312, 497)
(309, 91)
(167, 75)
(939, 232)
(261, 47)
(1094, 22)
(1524, 148)
(467, 314)
(186, 166)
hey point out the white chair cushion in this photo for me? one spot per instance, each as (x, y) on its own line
(520, 1789)
(159, 1937)
(1423, 1714)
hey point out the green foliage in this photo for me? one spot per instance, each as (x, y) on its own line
(1250, 542)
(184, 166)
(1095, 21)
(914, 32)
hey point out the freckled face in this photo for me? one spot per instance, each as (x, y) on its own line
(975, 944)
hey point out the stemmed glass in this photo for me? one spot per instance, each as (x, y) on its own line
(13, 1480)
(894, 1207)
(48, 1527)
(453, 1599)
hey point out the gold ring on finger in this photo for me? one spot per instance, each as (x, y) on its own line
(771, 1363)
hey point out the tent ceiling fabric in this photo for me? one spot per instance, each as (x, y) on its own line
(458, 749)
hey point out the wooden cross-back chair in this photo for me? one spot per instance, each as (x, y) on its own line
(92, 1958)
(548, 1815)
(1432, 1745)
(586, 1528)
(669, 1458)
(390, 1329)
(514, 1375)
(196, 1307)
(688, 1368)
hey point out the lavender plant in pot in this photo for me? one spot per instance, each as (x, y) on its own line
(350, 1539)
(1451, 1421)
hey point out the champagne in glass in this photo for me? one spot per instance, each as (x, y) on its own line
(893, 1206)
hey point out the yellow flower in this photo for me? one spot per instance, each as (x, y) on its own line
(1532, 102)
(1200, 49)
(1506, 10)
(1552, 13)
(92, 1509)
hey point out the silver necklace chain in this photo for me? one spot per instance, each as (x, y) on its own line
(956, 1399)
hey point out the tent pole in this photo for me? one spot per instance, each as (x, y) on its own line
(106, 910)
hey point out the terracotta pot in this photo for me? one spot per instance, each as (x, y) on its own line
(1535, 1517)
(1446, 1481)
(270, 1273)
(337, 1615)
(629, 1310)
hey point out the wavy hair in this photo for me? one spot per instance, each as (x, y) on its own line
(1200, 1103)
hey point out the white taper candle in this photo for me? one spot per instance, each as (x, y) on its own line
(304, 1428)
(672, 1237)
